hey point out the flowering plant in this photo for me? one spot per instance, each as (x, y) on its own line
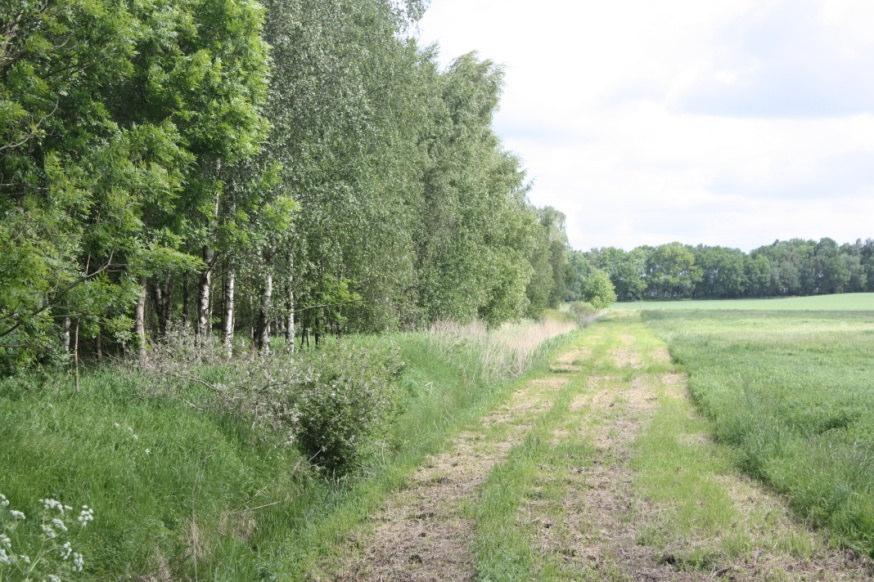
(49, 554)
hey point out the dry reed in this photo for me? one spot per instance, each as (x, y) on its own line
(505, 351)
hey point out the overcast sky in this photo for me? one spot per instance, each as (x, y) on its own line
(730, 122)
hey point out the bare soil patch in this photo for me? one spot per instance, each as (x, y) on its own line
(568, 363)
(675, 385)
(626, 357)
(595, 537)
(661, 355)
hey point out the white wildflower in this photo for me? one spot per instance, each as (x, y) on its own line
(3, 501)
(78, 561)
(24, 558)
(66, 550)
(4, 557)
(59, 524)
(53, 578)
(148, 451)
(53, 504)
(49, 532)
(16, 514)
(86, 516)
(116, 425)
(5, 541)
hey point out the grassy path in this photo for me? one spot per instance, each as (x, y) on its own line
(600, 469)
(425, 531)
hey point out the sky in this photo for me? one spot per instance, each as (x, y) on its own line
(730, 122)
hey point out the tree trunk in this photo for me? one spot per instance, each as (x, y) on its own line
(263, 339)
(166, 304)
(67, 334)
(185, 302)
(140, 323)
(76, 353)
(228, 324)
(204, 305)
(289, 324)
(203, 323)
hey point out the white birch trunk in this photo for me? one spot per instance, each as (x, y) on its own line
(140, 323)
(67, 338)
(230, 283)
(264, 315)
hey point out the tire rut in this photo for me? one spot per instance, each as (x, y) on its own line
(423, 533)
(603, 514)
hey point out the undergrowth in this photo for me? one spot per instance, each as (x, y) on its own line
(254, 469)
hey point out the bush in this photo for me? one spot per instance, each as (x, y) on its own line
(333, 403)
(598, 289)
(344, 398)
(582, 312)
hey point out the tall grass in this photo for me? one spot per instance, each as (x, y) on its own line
(793, 394)
(184, 490)
(503, 352)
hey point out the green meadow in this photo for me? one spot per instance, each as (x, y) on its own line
(788, 385)
(840, 302)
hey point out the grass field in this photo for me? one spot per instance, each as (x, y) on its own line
(789, 386)
(593, 463)
(843, 302)
(181, 493)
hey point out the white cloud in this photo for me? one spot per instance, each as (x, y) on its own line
(732, 122)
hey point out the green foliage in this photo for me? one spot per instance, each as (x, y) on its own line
(627, 270)
(598, 290)
(671, 271)
(344, 402)
(587, 283)
(347, 179)
(785, 268)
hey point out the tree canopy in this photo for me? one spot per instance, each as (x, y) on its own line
(295, 166)
(793, 267)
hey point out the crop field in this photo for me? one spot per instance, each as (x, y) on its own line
(788, 386)
(840, 302)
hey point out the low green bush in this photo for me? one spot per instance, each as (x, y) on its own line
(345, 397)
(582, 311)
(333, 403)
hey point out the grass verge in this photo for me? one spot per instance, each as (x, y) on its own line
(179, 492)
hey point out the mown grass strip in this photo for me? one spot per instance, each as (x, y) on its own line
(524, 494)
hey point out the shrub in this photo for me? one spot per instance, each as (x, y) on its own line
(583, 312)
(333, 403)
(598, 289)
(345, 402)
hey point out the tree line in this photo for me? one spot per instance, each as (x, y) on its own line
(293, 168)
(784, 268)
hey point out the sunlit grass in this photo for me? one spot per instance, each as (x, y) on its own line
(193, 493)
(841, 302)
(793, 395)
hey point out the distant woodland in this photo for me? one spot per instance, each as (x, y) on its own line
(784, 268)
